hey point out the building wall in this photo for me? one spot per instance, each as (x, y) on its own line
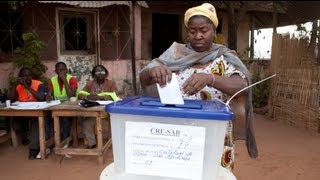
(146, 38)
(243, 37)
(41, 19)
(114, 33)
(242, 34)
(5, 69)
(119, 66)
(243, 31)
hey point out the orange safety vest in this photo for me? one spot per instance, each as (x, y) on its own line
(24, 94)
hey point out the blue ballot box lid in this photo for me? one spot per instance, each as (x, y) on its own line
(151, 106)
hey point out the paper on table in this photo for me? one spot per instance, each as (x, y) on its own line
(104, 102)
(34, 105)
(170, 94)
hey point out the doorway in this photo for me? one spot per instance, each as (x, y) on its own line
(166, 29)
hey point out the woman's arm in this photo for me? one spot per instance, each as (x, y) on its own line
(145, 78)
(228, 85)
(159, 74)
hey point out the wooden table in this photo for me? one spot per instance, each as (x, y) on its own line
(73, 109)
(40, 113)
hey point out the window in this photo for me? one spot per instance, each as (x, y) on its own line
(262, 43)
(263, 38)
(76, 32)
(10, 31)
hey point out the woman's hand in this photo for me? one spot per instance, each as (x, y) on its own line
(196, 82)
(160, 74)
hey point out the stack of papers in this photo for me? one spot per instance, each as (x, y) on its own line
(33, 105)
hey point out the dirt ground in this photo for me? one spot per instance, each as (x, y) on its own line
(286, 153)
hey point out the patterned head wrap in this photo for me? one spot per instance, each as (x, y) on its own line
(206, 10)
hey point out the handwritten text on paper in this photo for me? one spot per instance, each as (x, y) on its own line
(164, 150)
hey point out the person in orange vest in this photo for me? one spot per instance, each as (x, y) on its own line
(28, 89)
(62, 86)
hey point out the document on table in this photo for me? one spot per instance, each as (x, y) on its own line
(33, 105)
(171, 93)
(105, 102)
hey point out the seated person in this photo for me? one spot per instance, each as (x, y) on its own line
(26, 90)
(100, 88)
(62, 86)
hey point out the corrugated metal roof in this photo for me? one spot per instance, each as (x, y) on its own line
(95, 4)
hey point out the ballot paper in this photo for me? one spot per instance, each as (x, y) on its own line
(34, 105)
(170, 93)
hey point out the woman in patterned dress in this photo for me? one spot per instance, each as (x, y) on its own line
(205, 71)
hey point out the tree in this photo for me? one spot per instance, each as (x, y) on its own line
(29, 56)
(14, 5)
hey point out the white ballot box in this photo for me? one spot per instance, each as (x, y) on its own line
(155, 141)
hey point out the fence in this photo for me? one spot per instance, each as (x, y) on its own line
(295, 90)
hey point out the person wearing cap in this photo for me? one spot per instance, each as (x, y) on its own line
(205, 71)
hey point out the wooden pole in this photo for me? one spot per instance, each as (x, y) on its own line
(252, 36)
(133, 55)
(274, 18)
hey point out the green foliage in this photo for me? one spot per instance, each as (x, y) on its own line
(260, 92)
(14, 5)
(29, 56)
